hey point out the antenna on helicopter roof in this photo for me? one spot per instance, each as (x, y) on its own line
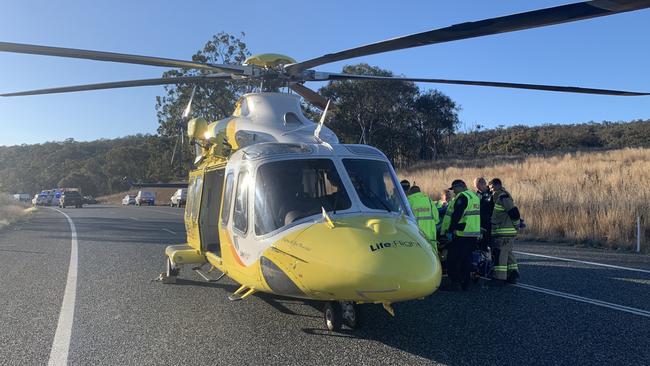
(180, 136)
(321, 123)
(188, 109)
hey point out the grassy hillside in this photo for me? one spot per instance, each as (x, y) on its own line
(551, 138)
(585, 197)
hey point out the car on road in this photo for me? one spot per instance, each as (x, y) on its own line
(53, 198)
(179, 198)
(70, 198)
(89, 200)
(39, 199)
(129, 199)
(145, 197)
(22, 197)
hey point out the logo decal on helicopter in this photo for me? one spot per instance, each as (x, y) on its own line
(296, 244)
(394, 244)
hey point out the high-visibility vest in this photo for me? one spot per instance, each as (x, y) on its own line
(471, 217)
(426, 215)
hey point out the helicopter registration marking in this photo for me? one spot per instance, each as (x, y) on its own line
(393, 244)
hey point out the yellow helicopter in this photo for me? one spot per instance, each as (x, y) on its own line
(276, 203)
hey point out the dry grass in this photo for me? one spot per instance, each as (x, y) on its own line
(12, 211)
(590, 197)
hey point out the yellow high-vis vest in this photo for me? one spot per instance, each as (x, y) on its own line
(426, 215)
(471, 217)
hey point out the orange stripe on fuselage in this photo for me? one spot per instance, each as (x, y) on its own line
(232, 249)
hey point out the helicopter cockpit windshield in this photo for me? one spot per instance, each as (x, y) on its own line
(375, 184)
(289, 190)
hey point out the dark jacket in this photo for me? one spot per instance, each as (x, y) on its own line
(487, 206)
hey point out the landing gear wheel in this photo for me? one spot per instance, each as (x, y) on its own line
(333, 318)
(350, 314)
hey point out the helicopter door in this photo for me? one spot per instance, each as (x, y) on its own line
(210, 206)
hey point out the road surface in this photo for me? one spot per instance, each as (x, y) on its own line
(573, 307)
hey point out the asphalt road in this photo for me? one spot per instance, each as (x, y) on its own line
(122, 318)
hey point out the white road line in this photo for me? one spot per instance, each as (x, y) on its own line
(605, 304)
(169, 231)
(61, 343)
(584, 262)
(168, 213)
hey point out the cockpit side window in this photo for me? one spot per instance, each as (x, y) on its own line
(289, 190)
(240, 213)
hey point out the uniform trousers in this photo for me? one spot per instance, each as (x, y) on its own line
(505, 262)
(459, 259)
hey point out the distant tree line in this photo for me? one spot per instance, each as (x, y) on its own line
(549, 138)
(98, 167)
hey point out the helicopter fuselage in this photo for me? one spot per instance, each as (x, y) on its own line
(294, 214)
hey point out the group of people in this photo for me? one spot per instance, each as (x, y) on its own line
(464, 220)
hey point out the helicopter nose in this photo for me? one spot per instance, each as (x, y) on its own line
(364, 260)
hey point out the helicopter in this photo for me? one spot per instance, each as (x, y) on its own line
(279, 205)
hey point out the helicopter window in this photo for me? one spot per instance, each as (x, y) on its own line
(227, 200)
(196, 193)
(288, 190)
(190, 198)
(240, 213)
(375, 184)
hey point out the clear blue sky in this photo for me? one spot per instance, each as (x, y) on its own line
(611, 52)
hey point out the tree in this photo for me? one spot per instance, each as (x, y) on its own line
(436, 116)
(212, 101)
(372, 112)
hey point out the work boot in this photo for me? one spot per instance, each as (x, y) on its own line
(513, 277)
(465, 285)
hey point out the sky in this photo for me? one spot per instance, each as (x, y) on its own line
(609, 52)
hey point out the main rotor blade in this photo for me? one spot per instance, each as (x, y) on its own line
(323, 76)
(118, 57)
(509, 23)
(124, 84)
(310, 95)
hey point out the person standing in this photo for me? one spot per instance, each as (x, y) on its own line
(441, 205)
(487, 206)
(406, 185)
(505, 221)
(426, 215)
(462, 225)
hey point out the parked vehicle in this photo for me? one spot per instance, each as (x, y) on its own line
(89, 200)
(145, 197)
(179, 198)
(70, 198)
(129, 199)
(22, 197)
(39, 199)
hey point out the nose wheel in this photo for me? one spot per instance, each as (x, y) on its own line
(337, 313)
